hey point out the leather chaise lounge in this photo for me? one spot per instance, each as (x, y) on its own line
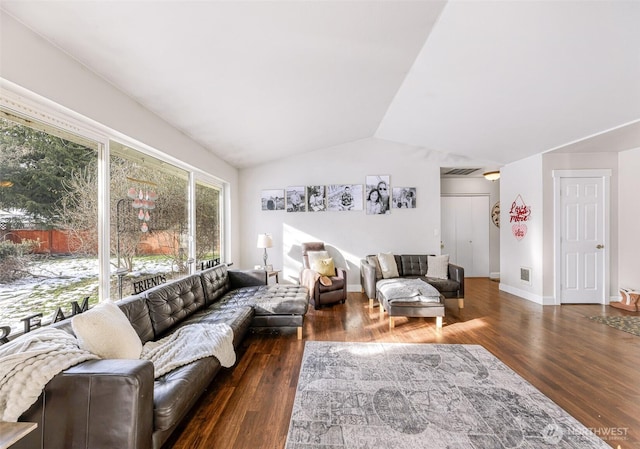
(117, 403)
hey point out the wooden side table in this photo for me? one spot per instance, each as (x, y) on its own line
(273, 273)
(12, 432)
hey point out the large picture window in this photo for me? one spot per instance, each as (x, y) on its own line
(84, 219)
(207, 223)
(48, 222)
(149, 221)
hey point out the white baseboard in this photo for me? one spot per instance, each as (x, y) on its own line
(354, 288)
(542, 300)
(494, 275)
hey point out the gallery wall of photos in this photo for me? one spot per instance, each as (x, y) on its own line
(376, 197)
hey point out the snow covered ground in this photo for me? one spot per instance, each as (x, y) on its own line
(56, 282)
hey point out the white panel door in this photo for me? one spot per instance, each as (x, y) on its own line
(465, 233)
(480, 221)
(582, 240)
(448, 206)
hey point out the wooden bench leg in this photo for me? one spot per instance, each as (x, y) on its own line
(370, 303)
(438, 322)
(299, 332)
(392, 323)
(381, 312)
(460, 303)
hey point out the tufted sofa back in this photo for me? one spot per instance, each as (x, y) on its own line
(412, 265)
(215, 282)
(159, 309)
(136, 310)
(171, 303)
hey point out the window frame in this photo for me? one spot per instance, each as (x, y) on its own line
(210, 183)
(23, 103)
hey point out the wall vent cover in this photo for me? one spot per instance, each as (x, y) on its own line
(525, 275)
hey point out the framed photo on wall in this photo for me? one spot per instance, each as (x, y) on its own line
(403, 198)
(344, 197)
(316, 199)
(272, 199)
(377, 196)
(296, 199)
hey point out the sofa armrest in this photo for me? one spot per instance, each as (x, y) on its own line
(368, 278)
(246, 278)
(456, 273)
(98, 404)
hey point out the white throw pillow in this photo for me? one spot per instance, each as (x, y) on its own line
(106, 331)
(438, 266)
(388, 265)
(316, 256)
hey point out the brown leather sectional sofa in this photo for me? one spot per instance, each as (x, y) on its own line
(117, 404)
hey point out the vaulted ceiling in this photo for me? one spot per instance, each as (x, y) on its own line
(257, 81)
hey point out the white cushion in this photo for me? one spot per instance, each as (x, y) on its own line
(438, 266)
(388, 265)
(106, 331)
(316, 256)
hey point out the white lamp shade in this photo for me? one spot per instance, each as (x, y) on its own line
(265, 241)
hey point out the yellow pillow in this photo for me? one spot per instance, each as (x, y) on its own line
(324, 267)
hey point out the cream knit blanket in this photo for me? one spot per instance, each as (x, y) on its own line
(29, 362)
(189, 343)
(407, 290)
(308, 279)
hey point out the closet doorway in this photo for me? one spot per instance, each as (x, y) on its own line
(465, 232)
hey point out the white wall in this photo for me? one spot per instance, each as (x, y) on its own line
(522, 178)
(479, 186)
(34, 64)
(628, 222)
(354, 234)
(578, 161)
(533, 179)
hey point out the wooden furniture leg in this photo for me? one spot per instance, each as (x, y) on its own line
(438, 322)
(299, 332)
(460, 303)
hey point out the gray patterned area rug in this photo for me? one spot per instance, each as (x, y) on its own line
(405, 396)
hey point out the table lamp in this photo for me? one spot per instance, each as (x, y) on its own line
(265, 241)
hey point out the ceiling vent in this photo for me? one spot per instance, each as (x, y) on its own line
(460, 171)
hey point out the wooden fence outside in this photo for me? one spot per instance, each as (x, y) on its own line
(56, 241)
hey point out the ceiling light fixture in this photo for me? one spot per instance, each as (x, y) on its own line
(492, 175)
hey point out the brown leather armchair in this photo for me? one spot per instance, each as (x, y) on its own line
(324, 294)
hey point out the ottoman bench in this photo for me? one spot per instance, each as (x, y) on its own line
(275, 306)
(409, 298)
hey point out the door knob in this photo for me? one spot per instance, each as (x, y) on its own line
(599, 246)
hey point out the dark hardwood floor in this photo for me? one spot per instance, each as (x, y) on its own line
(591, 370)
